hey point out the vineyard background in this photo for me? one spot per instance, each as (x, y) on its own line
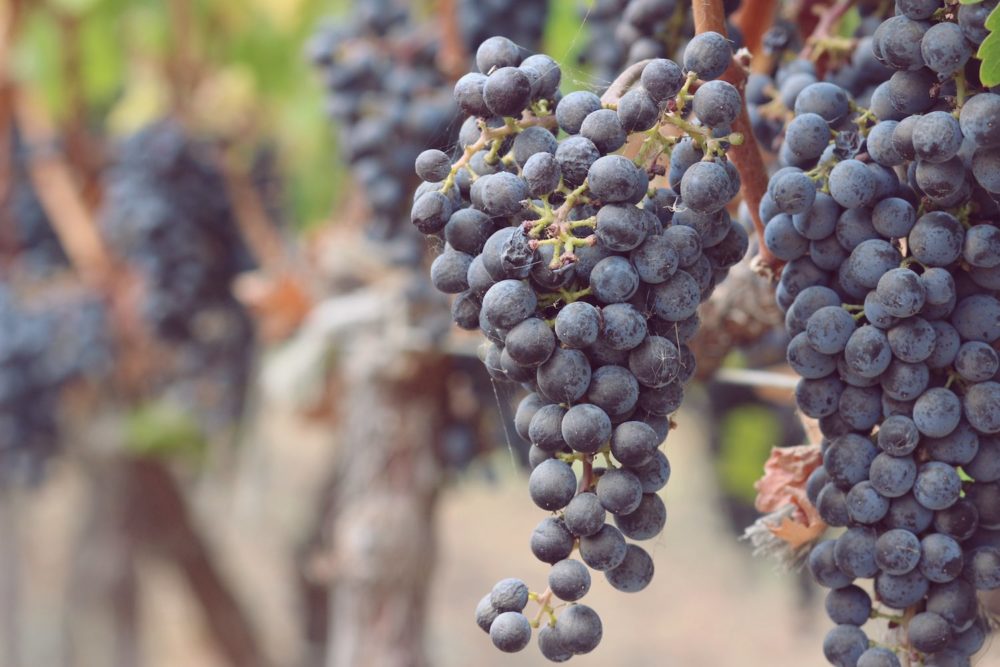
(166, 532)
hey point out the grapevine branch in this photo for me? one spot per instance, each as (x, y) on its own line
(251, 216)
(827, 20)
(181, 64)
(10, 18)
(754, 18)
(709, 16)
(54, 183)
(623, 82)
(452, 55)
(81, 150)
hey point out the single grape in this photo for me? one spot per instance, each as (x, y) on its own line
(662, 79)
(634, 572)
(604, 128)
(551, 541)
(603, 550)
(619, 491)
(510, 632)
(942, 558)
(646, 522)
(577, 325)
(937, 486)
(509, 595)
(928, 632)
(552, 484)
(579, 629)
(844, 644)
(708, 55)
(569, 580)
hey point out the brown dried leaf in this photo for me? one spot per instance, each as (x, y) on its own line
(785, 475)
(279, 303)
(797, 534)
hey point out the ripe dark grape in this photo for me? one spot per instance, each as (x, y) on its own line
(898, 318)
(586, 282)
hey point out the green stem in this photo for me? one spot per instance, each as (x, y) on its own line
(683, 95)
(961, 90)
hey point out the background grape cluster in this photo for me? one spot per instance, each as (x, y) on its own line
(885, 212)
(50, 338)
(167, 212)
(622, 32)
(47, 344)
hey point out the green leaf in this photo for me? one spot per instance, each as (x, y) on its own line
(850, 21)
(969, 2)
(989, 51)
(161, 430)
(746, 435)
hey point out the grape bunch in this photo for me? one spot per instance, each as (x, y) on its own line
(167, 212)
(585, 277)
(25, 231)
(521, 21)
(382, 59)
(623, 32)
(887, 220)
(47, 343)
(373, 64)
(52, 338)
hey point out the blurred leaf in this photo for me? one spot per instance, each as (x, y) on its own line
(566, 35)
(747, 435)
(282, 13)
(162, 430)
(226, 99)
(74, 7)
(989, 51)
(37, 59)
(969, 2)
(849, 22)
(103, 60)
(145, 99)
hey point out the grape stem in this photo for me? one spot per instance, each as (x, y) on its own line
(488, 134)
(961, 89)
(624, 81)
(709, 16)
(452, 57)
(587, 479)
(544, 607)
(55, 184)
(754, 18)
(827, 20)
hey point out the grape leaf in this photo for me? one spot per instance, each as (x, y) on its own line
(989, 51)
(969, 2)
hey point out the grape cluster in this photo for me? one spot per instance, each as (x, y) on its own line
(381, 60)
(57, 340)
(851, 65)
(623, 32)
(585, 277)
(374, 64)
(54, 338)
(887, 220)
(521, 21)
(167, 212)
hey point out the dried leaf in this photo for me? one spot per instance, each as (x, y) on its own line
(785, 474)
